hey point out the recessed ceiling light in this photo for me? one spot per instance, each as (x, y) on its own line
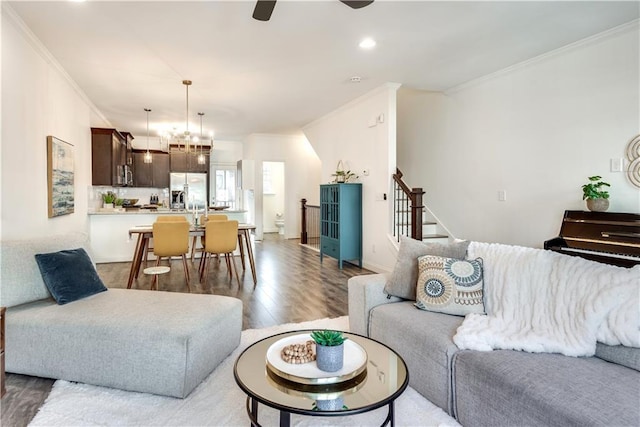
(355, 79)
(367, 43)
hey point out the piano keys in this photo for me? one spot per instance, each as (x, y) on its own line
(608, 237)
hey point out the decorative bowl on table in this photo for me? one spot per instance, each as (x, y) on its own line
(355, 363)
(218, 208)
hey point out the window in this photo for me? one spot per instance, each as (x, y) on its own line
(224, 186)
(267, 178)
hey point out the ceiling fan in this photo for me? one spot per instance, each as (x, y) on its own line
(264, 8)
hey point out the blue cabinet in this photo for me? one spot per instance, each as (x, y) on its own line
(341, 222)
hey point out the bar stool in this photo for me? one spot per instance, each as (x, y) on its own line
(156, 271)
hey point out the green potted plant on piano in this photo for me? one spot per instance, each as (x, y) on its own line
(596, 195)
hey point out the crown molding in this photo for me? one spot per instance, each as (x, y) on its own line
(612, 32)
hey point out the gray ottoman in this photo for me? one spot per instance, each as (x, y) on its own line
(155, 342)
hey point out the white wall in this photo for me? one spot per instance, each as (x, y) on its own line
(353, 135)
(273, 203)
(38, 99)
(537, 130)
(302, 174)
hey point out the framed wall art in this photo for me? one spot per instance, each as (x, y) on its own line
(60, 176)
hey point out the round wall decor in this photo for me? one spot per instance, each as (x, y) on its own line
(633, 154)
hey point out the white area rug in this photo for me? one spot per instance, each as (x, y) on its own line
(218, 401)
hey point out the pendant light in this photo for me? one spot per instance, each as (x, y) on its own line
(187, 135)
(201, 158)
(148, 158)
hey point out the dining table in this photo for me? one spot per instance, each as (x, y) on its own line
(145, 233)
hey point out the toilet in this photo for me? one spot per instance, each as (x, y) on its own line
(280, 223)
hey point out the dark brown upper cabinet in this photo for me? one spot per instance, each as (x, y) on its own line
(183, 162)
(154, 174)
(109, 158)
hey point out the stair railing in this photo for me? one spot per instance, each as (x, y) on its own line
(407, 209)
(310, 234)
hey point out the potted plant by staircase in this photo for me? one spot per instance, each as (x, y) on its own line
(329, 349)
(342, 176)
(597, 198)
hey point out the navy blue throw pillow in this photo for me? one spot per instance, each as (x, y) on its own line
(69, 275)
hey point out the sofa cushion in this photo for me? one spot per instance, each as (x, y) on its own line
(449, 285)
(404, 278)
(424, 340)
(619, 354)
(517, 388)
(69, 275)
(20, 278)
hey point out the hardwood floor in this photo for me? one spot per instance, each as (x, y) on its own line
(292, 287)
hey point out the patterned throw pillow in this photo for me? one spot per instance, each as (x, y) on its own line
(450, 285)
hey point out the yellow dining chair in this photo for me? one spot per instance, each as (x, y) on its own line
(194, 241)
(221, 237)
(171, 218)
(162, 218)
(171, 238)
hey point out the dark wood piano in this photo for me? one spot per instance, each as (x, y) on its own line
(608, 237)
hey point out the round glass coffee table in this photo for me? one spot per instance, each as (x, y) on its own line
(384, 378)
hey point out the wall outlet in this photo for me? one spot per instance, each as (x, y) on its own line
(502, 195)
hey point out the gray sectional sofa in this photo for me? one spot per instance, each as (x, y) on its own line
(500, 387)
(147, 341)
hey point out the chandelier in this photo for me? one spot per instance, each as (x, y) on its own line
(184, 141)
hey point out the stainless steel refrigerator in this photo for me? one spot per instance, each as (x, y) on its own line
(189, 188)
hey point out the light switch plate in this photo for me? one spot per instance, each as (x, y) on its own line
(617, 165)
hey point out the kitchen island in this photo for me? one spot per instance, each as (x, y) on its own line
(109, 230)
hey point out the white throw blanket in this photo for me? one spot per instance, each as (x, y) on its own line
(541, 301)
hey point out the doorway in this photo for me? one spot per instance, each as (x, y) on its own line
(273, 198)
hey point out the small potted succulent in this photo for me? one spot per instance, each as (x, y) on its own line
(108, 199)
(597, 198)
(329, 349)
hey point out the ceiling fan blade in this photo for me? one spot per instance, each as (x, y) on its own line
(263, 10)
(357, 4)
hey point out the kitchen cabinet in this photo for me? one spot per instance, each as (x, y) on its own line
(184, 162)
(341, 222)
(129, 148)
(154, 174)
(109, 158)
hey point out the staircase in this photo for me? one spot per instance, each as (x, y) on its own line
(411, 218)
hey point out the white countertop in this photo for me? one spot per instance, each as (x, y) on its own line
(109, 230)
(158, 211)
